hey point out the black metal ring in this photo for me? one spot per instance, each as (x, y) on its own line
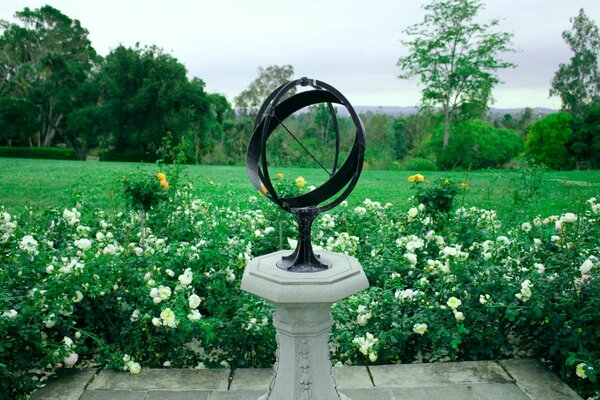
(275, 110)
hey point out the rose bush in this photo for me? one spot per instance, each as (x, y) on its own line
(83, 287)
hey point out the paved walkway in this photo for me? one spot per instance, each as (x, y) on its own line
(481, 380)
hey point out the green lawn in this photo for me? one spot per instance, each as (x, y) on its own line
(50, 183)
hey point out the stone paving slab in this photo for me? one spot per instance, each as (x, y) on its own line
(238, 395)
(497, 391)
(485, 380)
(69, 384)
(165, 379)
(537, 381)
(438, 374)
(179, 395)
(352, 378)
(252, 379)
(369, 394)
(114, 395)
(447, 392)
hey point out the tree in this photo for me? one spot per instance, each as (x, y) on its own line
(548, 138)
(145, 94)
(585, 142)
(454, 57)
(578, 83)
(477, 144)
(269, 79)
(44, 58)
(17, 120)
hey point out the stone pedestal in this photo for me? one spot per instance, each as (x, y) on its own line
(303, 320)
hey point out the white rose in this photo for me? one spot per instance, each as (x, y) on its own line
(569, 217)
(420, 329)
(164, 292)
(71, 359)
(154, 292)
(586, 266)
(156, 322)
(459, 316)
(134, 368)
(10, 314)
(83, 244)
(49, 269)
(526, 226)
(453, 303)
(78, 297)
(186, 278)
(413, 212)
(194, 315)
(194, 301)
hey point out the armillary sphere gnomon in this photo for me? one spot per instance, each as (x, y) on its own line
(342, 179)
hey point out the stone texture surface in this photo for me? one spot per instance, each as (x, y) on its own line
(539, 383)
(114, 395)
(438, 374)
(252, 379)
(237, 395)
(171, 379)
(69, 384)
(263, 278)
(447, 392)
(179, 395)
(352, 378)
(303, 319)
(503, 380)
(497, 391)
(369, 394)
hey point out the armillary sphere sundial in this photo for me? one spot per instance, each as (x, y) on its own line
(342, 179)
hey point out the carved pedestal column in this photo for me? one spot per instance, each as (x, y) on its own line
(303, 320)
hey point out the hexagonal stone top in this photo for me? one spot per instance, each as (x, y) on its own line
(264, 279)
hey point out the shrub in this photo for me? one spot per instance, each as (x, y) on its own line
(53, 153)
(128, 156)
(462, 287)
(418, 164)
(547, 141)
(475, 144)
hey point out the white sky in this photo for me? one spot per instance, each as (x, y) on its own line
(351, 44)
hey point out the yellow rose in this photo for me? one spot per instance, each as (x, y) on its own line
(164, 184)
(161, 176)
(279, 175)
(419, 178)
(428, 181)
(412, 178)
(300, 181)
(464, 185)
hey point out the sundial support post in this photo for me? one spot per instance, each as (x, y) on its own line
(302, 319)
(303, 285)
(303, 259)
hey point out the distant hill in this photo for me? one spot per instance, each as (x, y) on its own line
(399, 111)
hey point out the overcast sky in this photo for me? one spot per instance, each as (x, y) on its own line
(351, 44)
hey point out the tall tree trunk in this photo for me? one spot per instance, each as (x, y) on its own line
(447, 127)
(52, 126)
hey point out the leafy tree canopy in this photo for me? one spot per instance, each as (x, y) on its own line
(44, 58)
(548, 138)
(269, 79)
(454, 56)
(578, 82)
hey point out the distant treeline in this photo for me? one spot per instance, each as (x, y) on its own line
(56, 91)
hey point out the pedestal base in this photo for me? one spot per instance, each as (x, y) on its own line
(303, 321)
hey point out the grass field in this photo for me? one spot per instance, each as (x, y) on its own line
(50, 183)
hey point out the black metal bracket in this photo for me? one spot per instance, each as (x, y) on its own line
(304, 259)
